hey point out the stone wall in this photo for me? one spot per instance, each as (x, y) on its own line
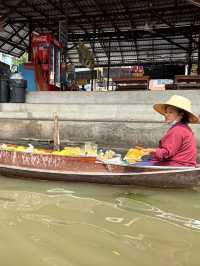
(117, 119)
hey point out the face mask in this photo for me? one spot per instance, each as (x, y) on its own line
(172, 123)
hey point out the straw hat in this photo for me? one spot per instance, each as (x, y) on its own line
(180, 102)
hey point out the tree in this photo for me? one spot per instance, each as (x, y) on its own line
(22, 59)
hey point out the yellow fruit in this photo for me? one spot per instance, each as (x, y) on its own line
(10, 149)
(131, 160)
(109, 154)
(134, 155)
(69, 151)
(21, 148)
(55, 152)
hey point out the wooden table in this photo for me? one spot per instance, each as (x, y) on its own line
(187, 79)
(190, 82)
(132, 83)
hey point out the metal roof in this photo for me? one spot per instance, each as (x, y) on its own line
(137, 32)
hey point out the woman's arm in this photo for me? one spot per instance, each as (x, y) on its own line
(169, 144)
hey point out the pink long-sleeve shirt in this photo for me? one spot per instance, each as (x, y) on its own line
(177, 147)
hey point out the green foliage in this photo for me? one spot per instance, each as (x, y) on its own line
(20, 60)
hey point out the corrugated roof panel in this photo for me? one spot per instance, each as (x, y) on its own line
(167, 32)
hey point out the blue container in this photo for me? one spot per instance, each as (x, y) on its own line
(28, 74)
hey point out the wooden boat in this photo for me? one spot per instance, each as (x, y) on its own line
(88, 169)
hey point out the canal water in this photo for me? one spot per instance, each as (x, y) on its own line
(46, 223)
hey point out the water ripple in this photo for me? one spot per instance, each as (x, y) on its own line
(155, 212)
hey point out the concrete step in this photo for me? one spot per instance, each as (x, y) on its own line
(111, 97)
(86, 112)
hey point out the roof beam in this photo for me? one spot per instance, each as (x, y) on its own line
(19, 43)
(160, 18)
(11, 36)
(133, 26)
(12, 44)
(18, 35)
(11, 8)
(172, 42)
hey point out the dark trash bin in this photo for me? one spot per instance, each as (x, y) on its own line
(17, 90)
(4, 90)
(18, 83)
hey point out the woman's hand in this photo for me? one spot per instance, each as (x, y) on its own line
(146, 151)
(149, 151)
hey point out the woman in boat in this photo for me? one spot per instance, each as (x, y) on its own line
(178, 146)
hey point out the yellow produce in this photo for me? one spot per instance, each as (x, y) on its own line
(10, 149)
(69, 151)
(55, 152)
(130, 160)
(107, 155)
(41, 151)
(20, 148)
(134, 155)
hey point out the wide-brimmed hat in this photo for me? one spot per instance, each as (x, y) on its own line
(180, 102)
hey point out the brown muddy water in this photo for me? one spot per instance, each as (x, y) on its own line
(46, 223)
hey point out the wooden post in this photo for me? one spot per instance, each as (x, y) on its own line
(108, 74)
(56, 135)
(189, 59)
(30, 42)
(198, 60)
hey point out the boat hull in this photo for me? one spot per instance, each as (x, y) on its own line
(86, 169)
(161, 179)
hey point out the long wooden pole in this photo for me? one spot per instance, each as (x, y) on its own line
(56, 134)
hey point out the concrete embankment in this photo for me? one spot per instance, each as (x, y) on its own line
(117, 119)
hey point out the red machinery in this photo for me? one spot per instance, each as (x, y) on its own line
(46, 57)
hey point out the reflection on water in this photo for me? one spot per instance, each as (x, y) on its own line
(85, 224)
